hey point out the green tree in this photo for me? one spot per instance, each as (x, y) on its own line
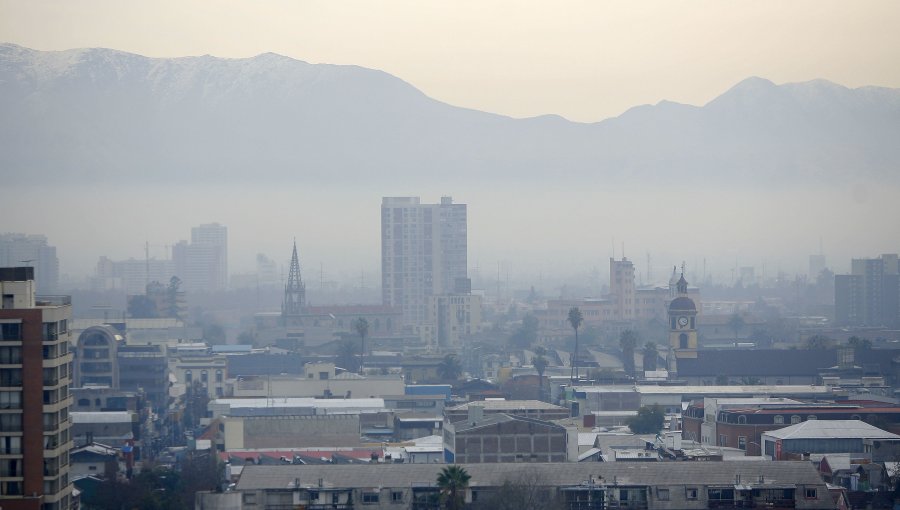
(141, 307)
(859, 343)
(346, 354)
(173, 298)
(526, 334)
(540, 364)
(819, 342)
(453, 481)
(649, 420)
(628, 340)
(450, 368)
(575, 320)
(361, 325)
(651, 355)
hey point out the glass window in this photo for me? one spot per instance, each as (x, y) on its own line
(11, 331)
(10, 400)
(662, 494)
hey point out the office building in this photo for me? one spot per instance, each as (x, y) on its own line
(202, 264)
(132, 275)
(32, 251)
(870, 294)
(423, 253)
(34, 395)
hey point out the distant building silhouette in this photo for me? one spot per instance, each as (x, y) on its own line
(32, 251)
(870, 294)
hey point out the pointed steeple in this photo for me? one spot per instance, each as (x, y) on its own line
(295, 290)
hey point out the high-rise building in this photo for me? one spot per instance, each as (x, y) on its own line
(32, 251)
(132, 275)
(423, 253)
(202, 264)
(34, 398)
(870, 294)
(621, 287)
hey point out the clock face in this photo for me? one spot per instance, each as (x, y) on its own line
(682, 321)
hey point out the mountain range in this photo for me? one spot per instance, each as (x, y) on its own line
(105, 116)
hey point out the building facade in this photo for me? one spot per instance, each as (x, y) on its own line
(33, 251)
(202, 264)
(423, 253)
(35, 368)
(569, 486)
(870, 294)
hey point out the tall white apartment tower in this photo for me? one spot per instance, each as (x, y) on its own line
(203, 264)
(423, 253)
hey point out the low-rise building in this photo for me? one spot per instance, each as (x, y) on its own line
(572, 486)
(535, 409)
(823, 436)
(504, 438)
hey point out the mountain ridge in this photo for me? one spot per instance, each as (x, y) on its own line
(95, 115)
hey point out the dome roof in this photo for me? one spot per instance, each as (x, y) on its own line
(683, 304)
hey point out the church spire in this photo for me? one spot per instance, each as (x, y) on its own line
(295, 290)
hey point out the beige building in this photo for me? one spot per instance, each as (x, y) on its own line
(449, 318)
(286, 431)
(318, 380)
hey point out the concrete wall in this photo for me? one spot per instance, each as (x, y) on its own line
(291, 431)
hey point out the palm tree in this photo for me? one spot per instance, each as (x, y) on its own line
(453, 481)
(575, 319)
(362, 328)
(627, 342)
(540, 364)
(650, 356)
(450, 368)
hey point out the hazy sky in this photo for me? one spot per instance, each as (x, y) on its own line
(584, 60)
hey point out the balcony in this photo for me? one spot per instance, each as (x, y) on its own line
(774, 504)
(52, 300)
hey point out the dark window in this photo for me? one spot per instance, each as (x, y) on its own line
(11, 331)
(811, 494)
(690, 493)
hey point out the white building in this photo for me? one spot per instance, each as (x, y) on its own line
(202, 264)
(423, 253)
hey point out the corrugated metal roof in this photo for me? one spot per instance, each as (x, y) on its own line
(831, 429)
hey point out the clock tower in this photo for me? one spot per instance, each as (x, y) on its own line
(682, 322)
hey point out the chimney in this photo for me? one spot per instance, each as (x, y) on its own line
(476, 413)
(589, 420)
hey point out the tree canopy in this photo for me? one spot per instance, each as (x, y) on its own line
(453, 481)
(649, 420)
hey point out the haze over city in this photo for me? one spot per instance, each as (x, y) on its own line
(467, 255)
(584, 61)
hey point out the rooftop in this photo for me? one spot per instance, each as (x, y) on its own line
(831, 429)
(256, 477)
(509, 405)
(318, 403)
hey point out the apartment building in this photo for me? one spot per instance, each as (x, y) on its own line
(35, 368)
